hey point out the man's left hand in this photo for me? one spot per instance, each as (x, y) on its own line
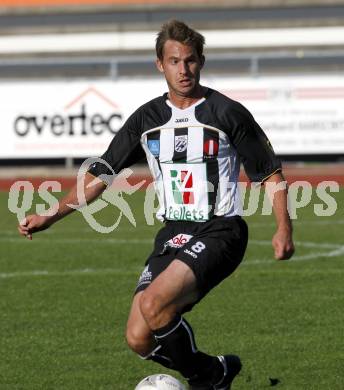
(283, 245)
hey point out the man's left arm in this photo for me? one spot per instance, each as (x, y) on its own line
(262, 166)
(282, 241)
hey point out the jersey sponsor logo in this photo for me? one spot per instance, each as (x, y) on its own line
(179, 240)
(154, 146)
(182, 120)
(186, 189)
(182, 186)
(180, 143)
(211, 148)
(185, 214)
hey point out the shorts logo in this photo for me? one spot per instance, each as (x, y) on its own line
(146, 277)
(211, 148)
(179, 240)
(182, 187)
(180, 143)
(190, 253)
(154, 146)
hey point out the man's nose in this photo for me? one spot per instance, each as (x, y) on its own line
(183, 68)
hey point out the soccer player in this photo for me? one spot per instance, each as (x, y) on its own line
(194, 139)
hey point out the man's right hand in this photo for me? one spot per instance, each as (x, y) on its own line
(35, 223)
(32, 224)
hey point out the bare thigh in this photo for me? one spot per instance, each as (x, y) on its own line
(168, 294)
(138, 333)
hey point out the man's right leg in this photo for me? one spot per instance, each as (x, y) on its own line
(156, 312)
(140, 338)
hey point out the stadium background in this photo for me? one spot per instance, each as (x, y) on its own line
(284, 60)
(70, 73)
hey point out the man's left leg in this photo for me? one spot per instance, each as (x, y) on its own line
(161, 304)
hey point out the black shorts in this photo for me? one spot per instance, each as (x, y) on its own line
(212, 249)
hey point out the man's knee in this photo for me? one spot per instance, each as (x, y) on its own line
(139, 340)
(150, 305)
(155, 310)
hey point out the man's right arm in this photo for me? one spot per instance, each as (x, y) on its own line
(123, 151)
(35, 223)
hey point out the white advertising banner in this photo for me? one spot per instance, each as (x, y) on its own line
(300, 115)
(66, 119)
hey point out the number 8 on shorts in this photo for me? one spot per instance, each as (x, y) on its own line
(198, 247)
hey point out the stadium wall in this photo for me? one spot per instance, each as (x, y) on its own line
(159, 3)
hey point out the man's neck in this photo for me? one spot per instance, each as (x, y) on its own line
(183, 102)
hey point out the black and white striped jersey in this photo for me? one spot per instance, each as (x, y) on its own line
(194, 154)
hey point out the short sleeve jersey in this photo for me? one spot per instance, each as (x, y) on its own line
(194, 154)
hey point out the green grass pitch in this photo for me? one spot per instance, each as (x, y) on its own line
(65, 298)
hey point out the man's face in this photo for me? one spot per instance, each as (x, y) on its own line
(181, 67)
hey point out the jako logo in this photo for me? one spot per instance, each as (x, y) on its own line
(182, 187)
(190, 253)
(181, 120)
(78, 122)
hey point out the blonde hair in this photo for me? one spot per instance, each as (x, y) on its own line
(180, 32)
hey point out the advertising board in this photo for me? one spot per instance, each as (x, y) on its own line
(50, 119)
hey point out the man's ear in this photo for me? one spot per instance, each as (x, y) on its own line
(158, 64)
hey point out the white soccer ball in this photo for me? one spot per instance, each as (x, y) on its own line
(160, 382)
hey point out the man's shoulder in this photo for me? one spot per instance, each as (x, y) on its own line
(222, 101)
(221, 111)
(151, 114)
(153, 104)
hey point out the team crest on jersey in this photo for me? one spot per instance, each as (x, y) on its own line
(211, 148)
(180, 143)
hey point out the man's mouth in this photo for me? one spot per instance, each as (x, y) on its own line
(185, 82)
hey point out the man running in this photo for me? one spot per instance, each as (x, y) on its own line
(194, 139)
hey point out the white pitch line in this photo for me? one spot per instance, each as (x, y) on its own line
(306, 244)
(299, 222)
(56, 240)
(90, 271)
(86, 271)
(310, 256)
(337, 252)
(131, 229)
